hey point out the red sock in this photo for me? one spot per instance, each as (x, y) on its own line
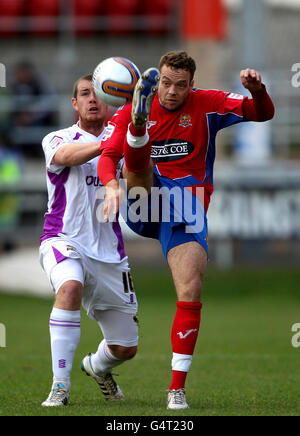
(137, 158)
(178, 380)
(184, 337)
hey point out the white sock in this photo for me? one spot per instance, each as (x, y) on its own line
(103, 360)
(137, 141)
(181, 362)
(64, 334)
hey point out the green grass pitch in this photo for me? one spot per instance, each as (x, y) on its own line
(244, 362)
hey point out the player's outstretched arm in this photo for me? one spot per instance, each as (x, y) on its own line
(260, 107)
(75, 154)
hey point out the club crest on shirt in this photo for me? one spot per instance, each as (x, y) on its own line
(185, 120)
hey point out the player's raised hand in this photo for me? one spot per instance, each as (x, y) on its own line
(251, 79)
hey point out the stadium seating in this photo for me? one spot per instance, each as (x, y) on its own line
(85, 15)
(89, 7)
(10, 16)
(44, 14)
(121, 15)
(158, 13)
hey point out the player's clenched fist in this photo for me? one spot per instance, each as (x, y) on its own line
(251, 79)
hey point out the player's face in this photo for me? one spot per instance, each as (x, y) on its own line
(89, 107)
(174, 87)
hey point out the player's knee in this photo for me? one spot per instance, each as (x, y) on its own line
(191, 291)
(123, 353)
(69, 295)
(129, 352)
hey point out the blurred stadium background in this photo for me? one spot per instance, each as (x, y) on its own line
(254, 218)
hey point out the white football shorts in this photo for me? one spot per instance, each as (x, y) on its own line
(106, 286)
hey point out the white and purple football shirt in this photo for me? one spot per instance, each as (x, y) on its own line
(73, 202)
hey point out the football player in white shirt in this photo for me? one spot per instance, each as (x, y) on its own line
(83, 258)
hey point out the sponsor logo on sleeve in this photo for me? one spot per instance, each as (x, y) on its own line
(56, 141)
(234, 96)
(109, 130)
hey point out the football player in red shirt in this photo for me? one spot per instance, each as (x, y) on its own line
(167, 140)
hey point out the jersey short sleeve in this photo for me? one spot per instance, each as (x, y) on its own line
(51, 143)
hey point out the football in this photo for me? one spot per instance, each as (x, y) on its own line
(114, 80)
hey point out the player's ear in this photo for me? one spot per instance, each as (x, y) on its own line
(192, 84)
(74, 103)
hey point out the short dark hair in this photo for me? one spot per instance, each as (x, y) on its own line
(178, 60)
(88, 77)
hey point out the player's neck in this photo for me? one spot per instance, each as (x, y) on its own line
(92, 128)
